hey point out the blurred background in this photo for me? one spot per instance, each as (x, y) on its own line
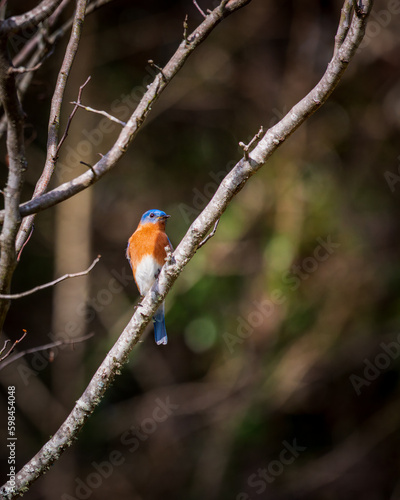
(281, 376)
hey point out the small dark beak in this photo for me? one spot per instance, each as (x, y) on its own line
(164, 216)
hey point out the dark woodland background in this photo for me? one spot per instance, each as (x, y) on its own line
(284, 329)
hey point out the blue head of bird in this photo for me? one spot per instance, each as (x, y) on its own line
(154, 217)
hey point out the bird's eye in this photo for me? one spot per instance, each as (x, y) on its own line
(152, 215)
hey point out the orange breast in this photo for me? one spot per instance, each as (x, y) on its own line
(148, 239)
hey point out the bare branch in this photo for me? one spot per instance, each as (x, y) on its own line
(4, 346)
(37, 59)
(111, 158)
(31, 18)
(42, 46)
(13, 346)
(344, 24)
(99, 112)
(22, 69)
(37, 39)
(54, 119)
(16, 168)
(52, 283)
(90, 166)
(246, 148)
(25, 243)
(228, 188)
(77, 104)
(210, 235)
(154, 65)
(199, 9)
(185, 28)
(43, 348)
(96, 4)
(40, 39)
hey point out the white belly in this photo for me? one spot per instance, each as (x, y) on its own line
(146, 272)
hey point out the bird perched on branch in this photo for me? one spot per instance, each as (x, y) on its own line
(146, 254)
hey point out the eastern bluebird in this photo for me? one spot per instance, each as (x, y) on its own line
(146, 254)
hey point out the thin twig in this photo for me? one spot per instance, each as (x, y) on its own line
(90, 166)
(77, 104)
(200, 9)
(99, 112)
(13, 346)
(25, 242)
(52, 283)
(246, 148)
(44, 348)
(154, 65)
(4, 346)
(210, 235)
(23, 69)
(185, 28)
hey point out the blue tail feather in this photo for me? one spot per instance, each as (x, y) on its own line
(160, 332)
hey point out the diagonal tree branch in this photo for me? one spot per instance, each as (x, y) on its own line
(344, 24)
(71, 116)
(16, 168)
(128, 133)
(228, 188)
(29, 19)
